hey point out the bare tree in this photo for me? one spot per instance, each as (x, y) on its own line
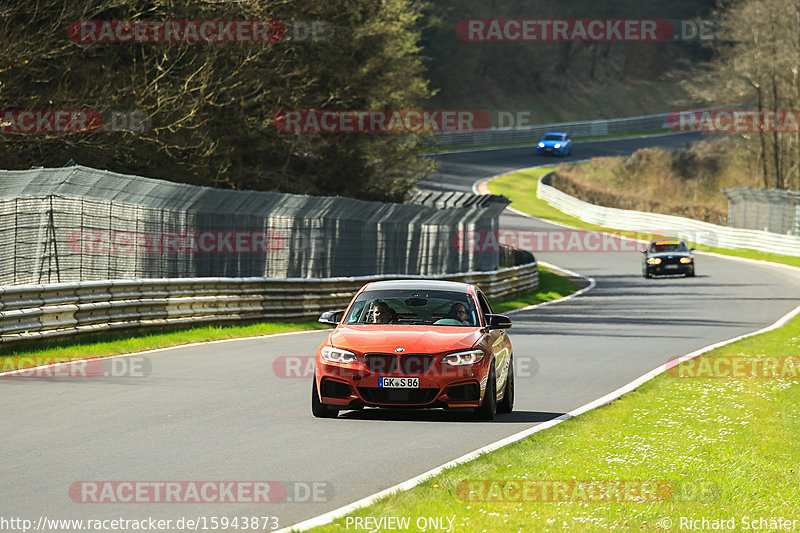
(211, 105)
(756, 60)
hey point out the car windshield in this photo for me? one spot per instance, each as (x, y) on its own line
(668, 246)
(416, 307)
(553, 137)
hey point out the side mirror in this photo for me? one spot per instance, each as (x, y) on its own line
(644, 250)
(331, 318)
(497, 322)
(691, 249)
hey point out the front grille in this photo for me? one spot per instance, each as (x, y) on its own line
(381, 363)
(388, 396)
(335, 389)
(386, 363)
(415, 364)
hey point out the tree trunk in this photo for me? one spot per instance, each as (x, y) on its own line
(761, 135)
(776, 145)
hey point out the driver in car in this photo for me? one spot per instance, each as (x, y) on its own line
(383, 314)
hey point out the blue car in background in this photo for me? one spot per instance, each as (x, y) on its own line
(556, 143)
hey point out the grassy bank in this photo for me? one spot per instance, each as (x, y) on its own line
(676, 448)
(686, 182)
(552, 286)
(520, 188)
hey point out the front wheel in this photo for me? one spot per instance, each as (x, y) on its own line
(507, 404)
(319, 409)
(488, 408)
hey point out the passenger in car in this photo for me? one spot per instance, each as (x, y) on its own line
(457, 316)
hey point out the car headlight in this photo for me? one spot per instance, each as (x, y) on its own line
(654, 261)
(557, 145)
(686, 260)
(463, 358)
(337, 355)
(540, 145)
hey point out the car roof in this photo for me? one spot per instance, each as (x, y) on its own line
(422, 284)
(667, 240)
(555, 133)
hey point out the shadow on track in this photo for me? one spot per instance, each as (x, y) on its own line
(441, 415)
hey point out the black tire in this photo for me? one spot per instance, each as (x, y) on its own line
(646, 274)
(690, 274)
(488, 408)
(319, 409)
(507, 404)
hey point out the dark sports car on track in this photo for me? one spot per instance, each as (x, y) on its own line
(667, 257)
(415, 344)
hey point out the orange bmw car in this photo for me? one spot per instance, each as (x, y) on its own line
(415, 344)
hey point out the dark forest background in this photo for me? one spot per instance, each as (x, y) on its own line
(210, 107)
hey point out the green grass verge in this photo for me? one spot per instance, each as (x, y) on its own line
(551, 287)
(520, 188)
(33, 353)
(713, 448)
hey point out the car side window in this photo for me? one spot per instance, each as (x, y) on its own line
(486, 309)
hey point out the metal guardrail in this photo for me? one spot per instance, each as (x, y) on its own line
(686, 228)
(43, 311)
(586, 128)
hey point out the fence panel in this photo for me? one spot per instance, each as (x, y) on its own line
(80, 224)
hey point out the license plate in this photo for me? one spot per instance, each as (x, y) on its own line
(398, 383)
(670, 267)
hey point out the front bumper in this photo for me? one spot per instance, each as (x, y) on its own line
(670, 270)
(549, 150)
(354, 386)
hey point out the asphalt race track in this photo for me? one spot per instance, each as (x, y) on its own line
(220, 412)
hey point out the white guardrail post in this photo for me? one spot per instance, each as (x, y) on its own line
(60, 309)
(685, 228)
